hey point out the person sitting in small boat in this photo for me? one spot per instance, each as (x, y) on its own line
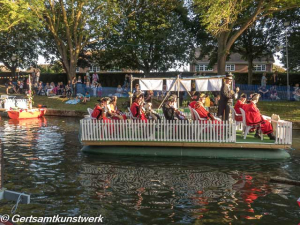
(100, 111)
(178, 113)
(255, 119)
(151, 114)
(87, 97)
(97, 111)
(169, 109)
(200, 108)
(137, 107)
(195, 98)
(105, 112)
(113, 109)
(239, 104)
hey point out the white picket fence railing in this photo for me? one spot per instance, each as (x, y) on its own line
(20, 103)
(284, 132)
(164, 130)
(186, 114)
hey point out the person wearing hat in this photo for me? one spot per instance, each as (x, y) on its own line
(254, 118)
(227, 95)
(99, 110)
(113, 109)
(169, 109)
(136, 108)
(195, 98)
(239, 104)
(200, 108)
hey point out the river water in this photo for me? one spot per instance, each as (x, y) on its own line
(43, 159)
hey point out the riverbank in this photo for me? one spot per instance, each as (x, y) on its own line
(287, 110)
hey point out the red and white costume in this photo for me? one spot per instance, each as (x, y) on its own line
(192, 104)
(253, 118)
(239, 104)
(135, 110)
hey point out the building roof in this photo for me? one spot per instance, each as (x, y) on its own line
(236, 58)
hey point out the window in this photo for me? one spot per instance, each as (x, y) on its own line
(230, 67)
(114, 69)
(202, 67)
(94, 68)
(77, 69)
(259, 67)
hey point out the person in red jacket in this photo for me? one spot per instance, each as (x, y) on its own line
(202, 112)
(101, 110)
(194, 100)
(239, 104)
(97, 112)
(136, 108)
(254, 118)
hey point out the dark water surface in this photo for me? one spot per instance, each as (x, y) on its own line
(43, 159)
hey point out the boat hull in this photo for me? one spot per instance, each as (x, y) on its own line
(259, 154)
(26, 114)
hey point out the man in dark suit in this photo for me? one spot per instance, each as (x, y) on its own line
(227, 95)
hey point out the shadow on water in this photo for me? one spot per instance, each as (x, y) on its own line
(43, 158)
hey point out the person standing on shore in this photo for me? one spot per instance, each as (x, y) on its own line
(264, 80)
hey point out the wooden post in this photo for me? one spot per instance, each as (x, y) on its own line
(131, 80)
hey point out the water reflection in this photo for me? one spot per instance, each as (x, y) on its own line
(43, 158)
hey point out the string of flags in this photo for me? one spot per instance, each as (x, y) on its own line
(21, 76)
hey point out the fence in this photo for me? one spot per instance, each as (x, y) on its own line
(283, 130)
(12, 103)
(164, 130)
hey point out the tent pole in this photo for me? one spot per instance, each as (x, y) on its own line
(166, 95)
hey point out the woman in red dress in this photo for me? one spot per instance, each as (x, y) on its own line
(254, 118)
(137, 106)
(239, 104)
(202, 112)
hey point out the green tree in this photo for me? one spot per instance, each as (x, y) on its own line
(152, 35)
(13, 13)
(258, 41)
(18, 47)
(227, 20)
(74, 24)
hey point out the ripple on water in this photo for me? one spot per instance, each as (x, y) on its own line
(43, 158)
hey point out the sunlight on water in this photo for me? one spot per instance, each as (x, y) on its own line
(43, 159)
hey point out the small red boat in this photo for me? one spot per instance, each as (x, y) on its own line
(26, 113)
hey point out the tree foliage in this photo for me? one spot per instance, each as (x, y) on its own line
(18, 47)
(228, 19)
(73, 24)
(258, 41)
(152, 35)
(13, 13)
